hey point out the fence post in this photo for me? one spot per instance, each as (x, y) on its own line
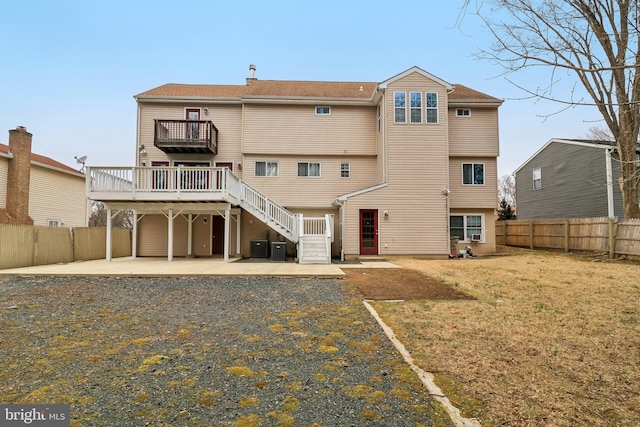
(566, 236)
(530, 234)
(504, 233)
(612, 238)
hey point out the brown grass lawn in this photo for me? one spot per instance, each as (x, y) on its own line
(551, 339)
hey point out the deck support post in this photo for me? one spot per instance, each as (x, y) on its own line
(134, 236)
(190, 235)
(170, 236)
(108, 257)
(227, 220)
(238, 234)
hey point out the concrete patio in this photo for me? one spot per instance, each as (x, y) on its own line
(151, 267)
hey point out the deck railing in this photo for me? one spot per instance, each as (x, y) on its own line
(190, 179)
(156, 179)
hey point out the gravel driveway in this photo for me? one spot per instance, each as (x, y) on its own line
(204, 352)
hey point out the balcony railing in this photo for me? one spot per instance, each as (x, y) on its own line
(186, 136)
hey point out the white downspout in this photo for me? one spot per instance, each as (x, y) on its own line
(610, 209)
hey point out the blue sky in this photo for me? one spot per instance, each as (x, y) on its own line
(70, 69)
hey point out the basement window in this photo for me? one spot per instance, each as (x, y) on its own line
(53, 223)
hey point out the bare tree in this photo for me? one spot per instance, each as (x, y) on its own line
(98, 218)
(594, 40)
(596, 133)
(507, 190)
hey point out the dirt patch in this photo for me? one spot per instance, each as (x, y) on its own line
(401, 284)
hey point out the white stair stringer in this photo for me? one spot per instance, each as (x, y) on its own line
(313, 236)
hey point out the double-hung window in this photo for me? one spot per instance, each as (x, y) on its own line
(266, 169)
(431, 104)
(537, 179)
(473, 173)
(400, 106)
(309, 169)
(416, 107)
(466, 228)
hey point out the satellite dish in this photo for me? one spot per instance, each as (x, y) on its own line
(81, 160)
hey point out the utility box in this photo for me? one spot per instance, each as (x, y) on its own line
(278, 251)
(259, 249)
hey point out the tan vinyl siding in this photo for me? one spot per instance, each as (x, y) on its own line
(57, 196)
(296, 129)
(290, 190)
(380, 144)
(469, 196)
(4, 167)
(417, 167)
(489, 231)
(226, 117)
(153, 236)
(476, 135)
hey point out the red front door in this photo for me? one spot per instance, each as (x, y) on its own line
(368, 232)
(217, 236)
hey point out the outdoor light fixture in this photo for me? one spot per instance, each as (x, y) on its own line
(239, 165)
(206, 111)
(141, 149)
(386, 214)
(204, 220)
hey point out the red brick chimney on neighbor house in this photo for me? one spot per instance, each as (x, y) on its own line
(19, 177)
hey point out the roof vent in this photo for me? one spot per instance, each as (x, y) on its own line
(252, 74)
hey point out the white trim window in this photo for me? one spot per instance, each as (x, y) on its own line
(463, 112)
(537, 178)
(323, 110)
(309, 169)
(345, 170)
(431, 101)
(266, 169)
(467, 228)
(415, 98)
(54, 223)
(400, 107)
(473, 174)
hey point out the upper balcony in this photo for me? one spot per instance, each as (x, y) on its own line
(186, 136)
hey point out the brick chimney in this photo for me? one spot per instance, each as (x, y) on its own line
(252, 75)
(19, 176)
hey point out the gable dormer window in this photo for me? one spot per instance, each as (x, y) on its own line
(323, 110)
(400, 107)
(416, 107)
(463, 112)
(431, 99)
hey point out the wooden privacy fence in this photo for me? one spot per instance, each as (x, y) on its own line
(28, 245)
(617, 237)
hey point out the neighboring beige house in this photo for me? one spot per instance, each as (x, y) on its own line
(333, 168)
(38, 190)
